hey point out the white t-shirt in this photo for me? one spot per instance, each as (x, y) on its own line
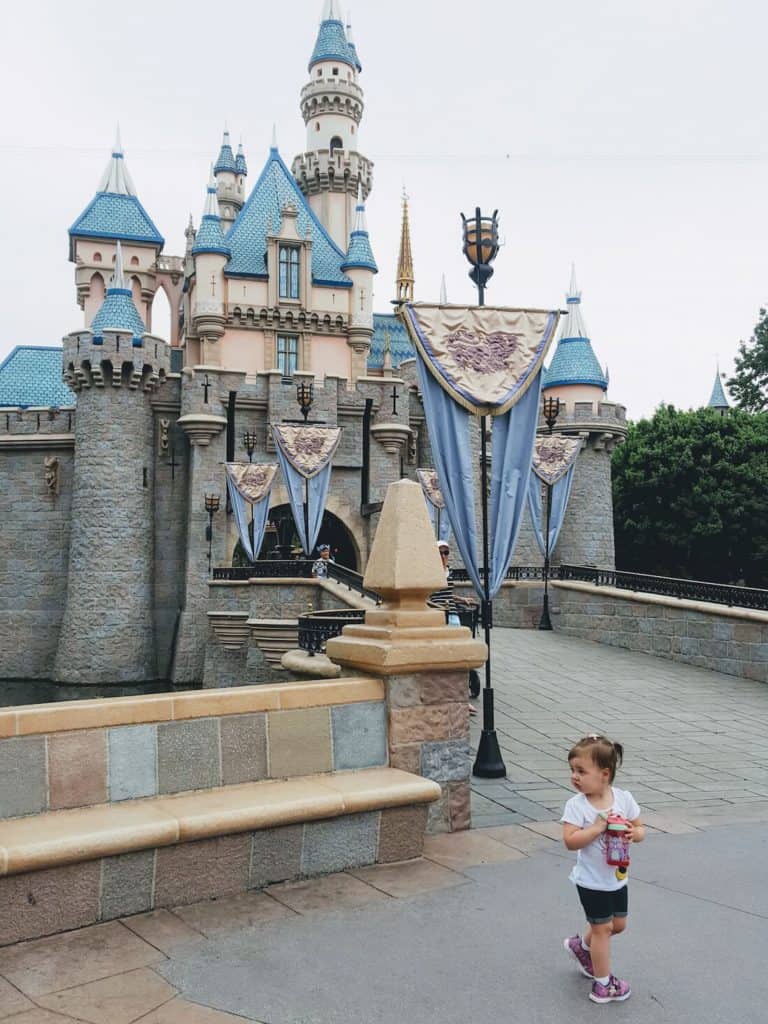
(590, 870)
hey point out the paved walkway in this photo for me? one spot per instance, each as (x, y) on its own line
(692, 738)
(473, 931)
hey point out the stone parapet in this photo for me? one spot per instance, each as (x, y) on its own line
(339, 171)
(116, 359)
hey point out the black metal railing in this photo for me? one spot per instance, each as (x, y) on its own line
(316, 630)
(351, 580)
(668, 586)
(515, 573)
(269, 568)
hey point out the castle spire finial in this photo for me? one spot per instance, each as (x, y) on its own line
(405, 278)
(274, 136)
(118, 279)
(574, 295)
(443, 292)
(116, 179)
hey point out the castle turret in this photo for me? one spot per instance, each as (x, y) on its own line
(107, 634)
(718, 400)
(114, 213)
(211, 254)
(331, 170)
(360, 267)
(230, 171)
(577, 379)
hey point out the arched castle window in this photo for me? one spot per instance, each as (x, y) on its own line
(336, 143)
(335, 71)
(287, 354)
(134, 261)
(97, 257)
(289, 272)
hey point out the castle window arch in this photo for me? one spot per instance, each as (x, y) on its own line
(335, 71)
(288, 266)
(97, 257)
(336, 143)
(134, 261)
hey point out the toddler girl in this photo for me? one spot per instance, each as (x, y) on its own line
(593, 762)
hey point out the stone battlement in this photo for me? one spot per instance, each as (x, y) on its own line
(37, 421)
(116, 359)
(323, 171)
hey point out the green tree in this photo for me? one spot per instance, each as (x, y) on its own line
(749, 384)
(690, 496)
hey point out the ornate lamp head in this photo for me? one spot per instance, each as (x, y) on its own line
(305, 395)
(249, 442)
(481, 245)
(551, 410)
(212, 502)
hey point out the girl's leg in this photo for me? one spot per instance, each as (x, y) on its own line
(599, 946)
(619, 925)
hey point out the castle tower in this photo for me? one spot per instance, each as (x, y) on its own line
(210, 253)
(577, 379)
(230, 172)
(360, 267)
(107, 633)
(405, 279)
(114, 213)
(331, 170)
(718, 400)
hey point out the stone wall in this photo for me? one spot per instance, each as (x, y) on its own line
(34, 539)
(729, 640)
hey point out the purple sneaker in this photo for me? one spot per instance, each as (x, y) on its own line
(616, 991)
(575, 948)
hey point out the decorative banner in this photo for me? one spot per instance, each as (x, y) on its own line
(252, 480)
(484, 357)
(305, 455)
(251, 484)
(554, 462)
(553, 456)
(484, 361)
(435, 502)
(308, 449)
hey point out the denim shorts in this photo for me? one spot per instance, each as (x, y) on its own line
(601, 906)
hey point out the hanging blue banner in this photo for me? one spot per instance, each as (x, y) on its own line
(306, 454)
(250, 484)
(554, 461)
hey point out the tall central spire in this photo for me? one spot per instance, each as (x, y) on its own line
(405, 278)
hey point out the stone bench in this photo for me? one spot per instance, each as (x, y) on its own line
(118, 806)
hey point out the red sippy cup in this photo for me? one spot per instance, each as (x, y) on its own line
(617, 845)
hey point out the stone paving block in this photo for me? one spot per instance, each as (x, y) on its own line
(162, 929)
(126, 884)
(340, 844)
(410, 879)
(121, 999)
(132, 761)
(23, 782)
(188, 755)
(275, 855)
(339, 891)
(11, 1000)
(248, 910)
(243, 748)
(299, 742)
(359, 734)
(468, 849)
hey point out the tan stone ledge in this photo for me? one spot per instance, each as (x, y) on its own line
(685, 604)
(37, 441)
(67, 716)
(56, 838)
(319, 665)
(271, 581)
(404, 655)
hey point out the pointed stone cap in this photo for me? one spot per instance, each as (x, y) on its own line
(403, 635)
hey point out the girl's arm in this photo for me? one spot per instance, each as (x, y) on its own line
(576, 838)
(636, 831)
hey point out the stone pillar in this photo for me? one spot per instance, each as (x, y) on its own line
(203, 421)
(107, 634)
(423, 662)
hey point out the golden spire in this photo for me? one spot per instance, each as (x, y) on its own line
(405, 279)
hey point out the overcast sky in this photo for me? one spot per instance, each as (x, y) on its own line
(628, 138)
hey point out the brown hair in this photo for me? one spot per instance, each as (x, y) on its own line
(602, 751)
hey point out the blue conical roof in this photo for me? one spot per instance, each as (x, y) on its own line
(332, 43)
(360, 253)
(117, 311)
(247, 238)
(240, 165)
(718, 399)
(574, 362)
(210, 237)
(226, 158)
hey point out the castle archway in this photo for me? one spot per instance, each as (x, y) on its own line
(281, 534)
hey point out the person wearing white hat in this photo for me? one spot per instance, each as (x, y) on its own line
(320, 568)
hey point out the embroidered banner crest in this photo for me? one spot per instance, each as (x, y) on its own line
(553, 456)
(431, 487)
(485, 357)
(307, 449)
(252, 481)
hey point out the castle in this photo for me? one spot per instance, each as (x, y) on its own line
(109, 447)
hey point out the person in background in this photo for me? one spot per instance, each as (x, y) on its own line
(320, 568)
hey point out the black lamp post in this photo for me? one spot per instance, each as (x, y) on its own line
(481, 244)
(551, 409)
(305, 395)
(249, 443)
(212, 502)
